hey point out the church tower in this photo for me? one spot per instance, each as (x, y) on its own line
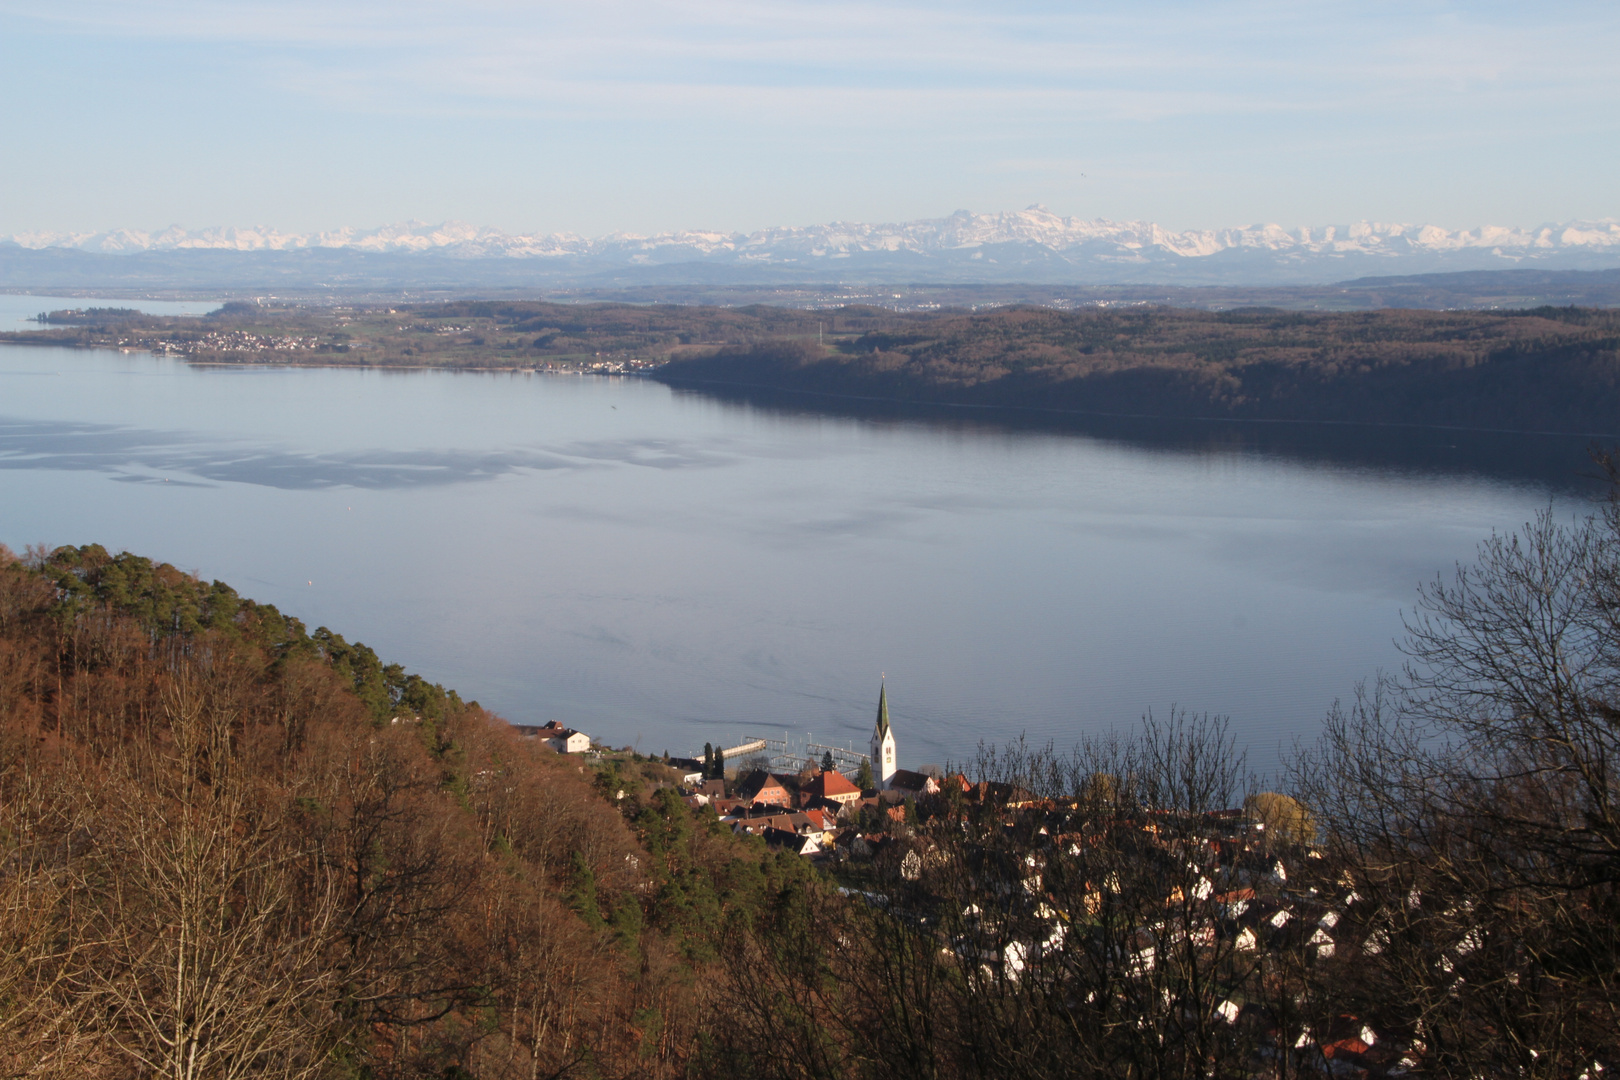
(883, 765)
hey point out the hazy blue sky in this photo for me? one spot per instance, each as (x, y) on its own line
(595, 115)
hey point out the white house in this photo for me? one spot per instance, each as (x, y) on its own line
(569, 741)
(564, 740)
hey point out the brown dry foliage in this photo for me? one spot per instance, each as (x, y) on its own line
(1552, 370)
(217, 863)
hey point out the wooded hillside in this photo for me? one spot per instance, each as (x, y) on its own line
(235, 848)
(1543, 370)
(1547, 369)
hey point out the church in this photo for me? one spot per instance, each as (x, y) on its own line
(887, 776)
(883, 761)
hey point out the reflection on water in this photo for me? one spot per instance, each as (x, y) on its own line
(665, 568)
(1561, 462)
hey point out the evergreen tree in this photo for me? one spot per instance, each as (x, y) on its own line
(827, 763)
(581, 894)
(863, 779)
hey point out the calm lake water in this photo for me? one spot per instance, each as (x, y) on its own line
(17, 312)
(661, 568)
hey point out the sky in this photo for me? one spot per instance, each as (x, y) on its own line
(594, 116)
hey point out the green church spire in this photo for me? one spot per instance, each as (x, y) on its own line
(883, 746)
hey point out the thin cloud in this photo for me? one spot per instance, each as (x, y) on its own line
(512, 51)
(901, 108)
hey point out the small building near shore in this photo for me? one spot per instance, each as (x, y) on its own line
(564, 740)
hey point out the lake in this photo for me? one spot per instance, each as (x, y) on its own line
(17, 311)
(663, 568)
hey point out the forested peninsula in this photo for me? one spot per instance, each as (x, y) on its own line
(1542, 370)
(1552, 370)
(235, 847)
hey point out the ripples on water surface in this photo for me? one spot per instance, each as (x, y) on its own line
(662, 568)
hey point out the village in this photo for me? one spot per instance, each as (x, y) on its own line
(815, 810)
(1246, 896)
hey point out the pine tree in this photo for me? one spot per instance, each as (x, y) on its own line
(581, 894)
(827, 763)
(863, 779)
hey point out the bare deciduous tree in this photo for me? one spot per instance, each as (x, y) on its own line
(1474, 802)
(211, 925)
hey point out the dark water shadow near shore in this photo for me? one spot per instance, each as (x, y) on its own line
(1561, 462)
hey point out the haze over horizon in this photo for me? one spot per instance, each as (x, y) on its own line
(651, 117)
(963, 228)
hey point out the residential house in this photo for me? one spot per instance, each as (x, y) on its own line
(799, 845)
(908, 784)
(564, 740)
(830, 786)
(569, 741)
(760, 788)
(691, 769)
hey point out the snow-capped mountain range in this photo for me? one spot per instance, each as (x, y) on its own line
(1033, 245)
(961, 231)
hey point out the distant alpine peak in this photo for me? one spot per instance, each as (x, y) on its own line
(959, 233)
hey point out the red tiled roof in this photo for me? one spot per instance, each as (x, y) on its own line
(831, 783)
(821, 819)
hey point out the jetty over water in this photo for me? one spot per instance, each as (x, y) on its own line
(744, 747)
(790, 753)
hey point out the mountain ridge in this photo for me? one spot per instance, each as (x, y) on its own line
(960, 231)
(1028, 246)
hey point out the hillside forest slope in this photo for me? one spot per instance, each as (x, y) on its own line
(233, 847)
(1548, 369)
(1543, 369)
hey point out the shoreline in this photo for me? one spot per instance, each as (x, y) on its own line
(984, 408)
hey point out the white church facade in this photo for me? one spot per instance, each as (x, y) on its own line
(883, 750)
(887, 775)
